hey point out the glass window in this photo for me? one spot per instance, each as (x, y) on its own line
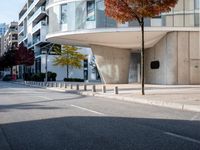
(169, 21)
(64, 14)
(189, 5)
(197, 4)
(178, 20)
(90, 11)
(189, 20)
(197, 19)
(179, 6)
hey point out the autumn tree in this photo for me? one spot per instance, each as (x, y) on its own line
(128, 10)
(24, 56)
(69, 56)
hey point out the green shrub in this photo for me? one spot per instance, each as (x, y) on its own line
(38, 77)
(51, 76)
(27, 76)
(73, 80)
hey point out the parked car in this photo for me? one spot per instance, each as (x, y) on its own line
(7, 77)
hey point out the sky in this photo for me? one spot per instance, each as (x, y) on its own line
(9, 10)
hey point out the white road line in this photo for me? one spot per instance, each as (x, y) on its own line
(96, 112)
(195, 117)
(45, 97)
(183, 137)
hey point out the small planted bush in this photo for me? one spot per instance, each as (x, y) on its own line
(73, 80)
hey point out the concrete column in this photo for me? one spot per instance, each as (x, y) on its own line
(112, 63)
(172, 58)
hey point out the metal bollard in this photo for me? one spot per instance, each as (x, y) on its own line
(93, 88)
(103, 89)
(116, 90)
(66, 85)
(85, 87)
(71, 86)
(60, 85)
(77, 87)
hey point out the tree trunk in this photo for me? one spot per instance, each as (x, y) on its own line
(67, 71)
(142, 56)
(11, 71)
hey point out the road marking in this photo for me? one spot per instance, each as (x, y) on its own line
(96, 112)
(183, 137)
(45, 97)
(195, 117)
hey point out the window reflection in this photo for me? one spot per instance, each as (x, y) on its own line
(90, 11)
(64, 14)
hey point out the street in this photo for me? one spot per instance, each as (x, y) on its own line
(39, 119)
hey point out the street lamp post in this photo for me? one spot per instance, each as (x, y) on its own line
(48, 50)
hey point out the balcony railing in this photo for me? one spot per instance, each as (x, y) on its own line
(39, 11)
(20, 29)
(36, 40)
(39, 26)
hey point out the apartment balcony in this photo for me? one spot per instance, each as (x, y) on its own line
(39, 40)
(42, 25)
(20, 29)
(13, 31)
(38, 15)
(21, 38)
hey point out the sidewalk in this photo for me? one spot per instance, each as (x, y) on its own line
(184, 97)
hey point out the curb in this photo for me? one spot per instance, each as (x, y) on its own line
(178, 106)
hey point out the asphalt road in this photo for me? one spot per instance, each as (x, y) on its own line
(39, 119)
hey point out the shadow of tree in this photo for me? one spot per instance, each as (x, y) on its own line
(36, 104)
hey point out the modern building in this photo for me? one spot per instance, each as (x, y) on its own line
(33, 28)
(172, 49)
(3, 28)
(9, 41)
(11, 37)
(1, 45)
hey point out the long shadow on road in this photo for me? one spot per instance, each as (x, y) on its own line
(103, 133)
(36, 104)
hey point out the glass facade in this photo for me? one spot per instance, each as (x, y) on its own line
(185, 14)
(90, 10)
(90, 14)
(63, 14)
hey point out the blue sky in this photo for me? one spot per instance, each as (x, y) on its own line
(9, 10)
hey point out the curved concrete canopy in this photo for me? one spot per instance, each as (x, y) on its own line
(128, 38)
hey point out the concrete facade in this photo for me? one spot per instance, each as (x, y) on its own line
(179, 57)
(113, 63)
(172, 39)
(33, 28)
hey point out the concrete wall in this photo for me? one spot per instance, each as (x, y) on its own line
(112, 63)
(134, 71)
(179, 57)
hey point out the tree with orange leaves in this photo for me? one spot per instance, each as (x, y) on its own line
(128, 10)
